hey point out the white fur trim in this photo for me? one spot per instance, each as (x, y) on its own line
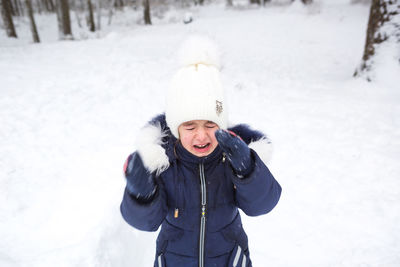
(264, 149)
(150, 150)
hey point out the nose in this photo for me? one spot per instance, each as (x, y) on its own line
(201, 134)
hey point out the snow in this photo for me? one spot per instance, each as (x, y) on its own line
(70, 112)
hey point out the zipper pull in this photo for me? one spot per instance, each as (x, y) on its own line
(223, 157)
(176, 213)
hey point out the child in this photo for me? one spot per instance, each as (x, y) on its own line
(191, 173)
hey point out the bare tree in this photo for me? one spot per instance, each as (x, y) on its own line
(98, 13)
(11, 8)
(34, 31)
(92, 26)
(7, 19)
(361, 2)
(306, 2)
(64, 21)
(259, 2)
(147, 17)
(38, 5)
(17, 7)
(49, 5)
(110, 12)
(383, 25)
(119, 4)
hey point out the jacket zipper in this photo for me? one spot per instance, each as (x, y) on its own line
(203, 215)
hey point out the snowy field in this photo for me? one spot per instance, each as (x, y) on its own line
(70, 112)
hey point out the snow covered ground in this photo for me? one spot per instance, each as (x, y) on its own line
(70, 112)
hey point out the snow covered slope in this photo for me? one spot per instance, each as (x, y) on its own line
(70, 112)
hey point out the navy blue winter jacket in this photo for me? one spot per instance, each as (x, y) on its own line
(191, 236)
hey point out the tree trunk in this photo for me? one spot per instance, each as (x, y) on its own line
(7, 19)
(306, 2)
(110, 12)
(48, 4)
(383, 24)
(260, 2)
(147, 18)
(92, 26)
(39, 6)
(11, 8)
(98, 12)
(64, 21)
(51, 5)
(17, 8)
(35, 34)
(119, 4)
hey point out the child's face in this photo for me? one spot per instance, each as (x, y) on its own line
(198, 137)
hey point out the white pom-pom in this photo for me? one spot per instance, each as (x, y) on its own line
(198, 49)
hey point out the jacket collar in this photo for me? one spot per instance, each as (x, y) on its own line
(184, 155)
(156, 145)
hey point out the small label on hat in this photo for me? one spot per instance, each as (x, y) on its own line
(218, 107)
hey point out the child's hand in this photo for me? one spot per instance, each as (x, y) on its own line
(139, 182)
(237, 152)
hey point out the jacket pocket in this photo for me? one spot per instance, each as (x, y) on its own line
(226, 239)
(235, 233)
(239, 258)
(168, 233)
(178, 241)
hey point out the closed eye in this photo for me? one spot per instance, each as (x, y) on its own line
(210, 125)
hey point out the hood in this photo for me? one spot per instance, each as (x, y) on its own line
(155, 143)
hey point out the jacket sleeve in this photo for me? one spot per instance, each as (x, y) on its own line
(259, 192)
(144, 216)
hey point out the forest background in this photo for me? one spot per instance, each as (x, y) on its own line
(320, 78)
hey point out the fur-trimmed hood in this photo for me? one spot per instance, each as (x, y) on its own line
(155, 143)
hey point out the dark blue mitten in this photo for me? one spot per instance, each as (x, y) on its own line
(237, 152)
(139, 181)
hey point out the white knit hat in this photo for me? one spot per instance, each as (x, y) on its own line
(196, 91)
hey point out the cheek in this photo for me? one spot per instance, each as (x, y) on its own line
(212, 137)
(215, 141)
(186, 140)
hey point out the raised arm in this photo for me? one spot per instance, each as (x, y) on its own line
(257, 191)
(143, 205)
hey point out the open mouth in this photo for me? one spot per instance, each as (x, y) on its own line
(202, 147)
